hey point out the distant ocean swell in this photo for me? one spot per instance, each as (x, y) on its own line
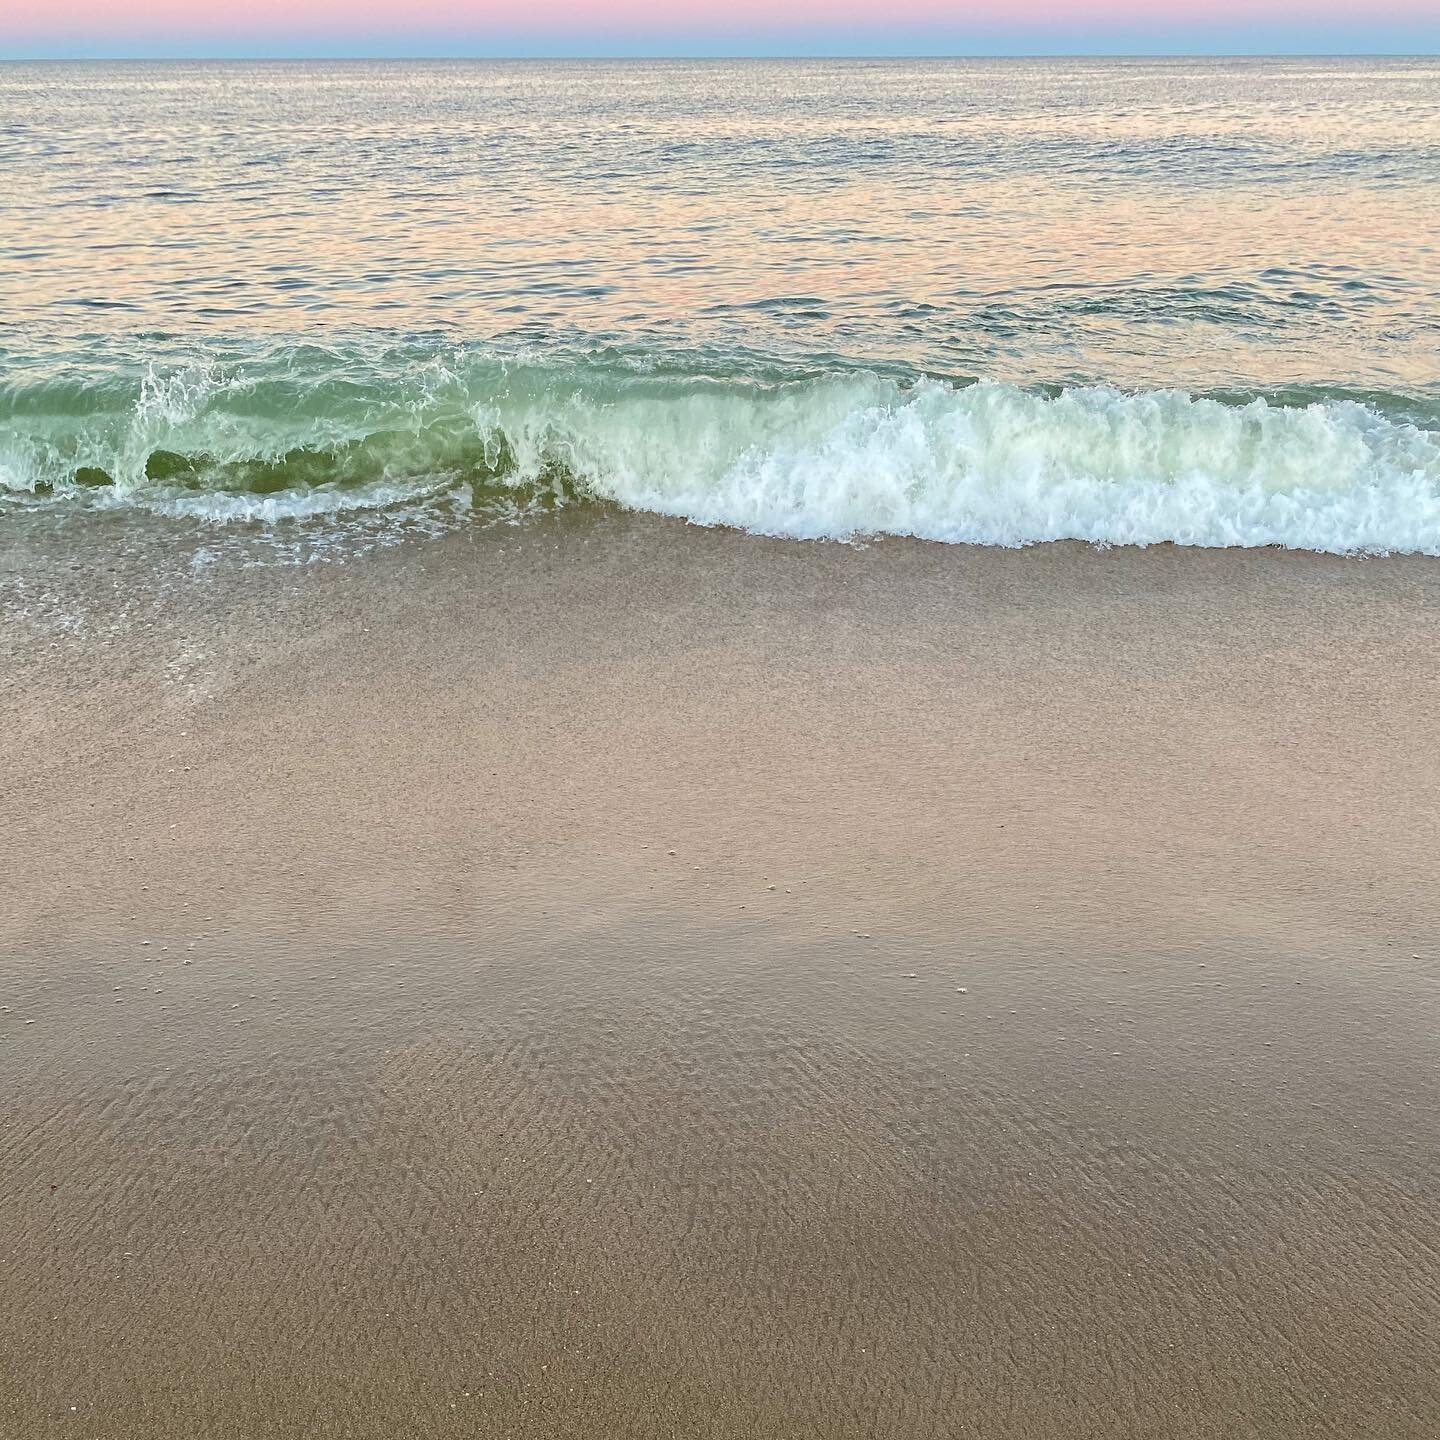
(820, 453)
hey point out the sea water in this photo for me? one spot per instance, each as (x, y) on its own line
(997, 302)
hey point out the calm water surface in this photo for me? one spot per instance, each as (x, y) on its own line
(1202, 298)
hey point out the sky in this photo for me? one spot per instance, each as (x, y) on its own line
(308, 28)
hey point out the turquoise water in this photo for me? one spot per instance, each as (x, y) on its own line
(1000, 301)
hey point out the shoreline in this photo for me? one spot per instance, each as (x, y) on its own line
(1077, 1074)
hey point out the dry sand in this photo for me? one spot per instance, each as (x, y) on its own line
(607, 978)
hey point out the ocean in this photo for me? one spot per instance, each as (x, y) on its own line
(303, 308)
(575, 868)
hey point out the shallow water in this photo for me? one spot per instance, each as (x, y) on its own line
(1201, 298)
(613, 978)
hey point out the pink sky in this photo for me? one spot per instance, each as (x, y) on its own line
(138, 24)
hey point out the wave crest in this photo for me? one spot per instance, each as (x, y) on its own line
(838, 453)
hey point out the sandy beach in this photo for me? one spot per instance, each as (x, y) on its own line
(606, 977)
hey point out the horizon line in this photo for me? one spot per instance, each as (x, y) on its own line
(719, 58)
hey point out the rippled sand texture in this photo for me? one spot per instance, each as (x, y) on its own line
(610, 978)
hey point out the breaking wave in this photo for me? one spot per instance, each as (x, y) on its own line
(821, 452)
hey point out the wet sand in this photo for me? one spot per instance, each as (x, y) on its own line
(608, 978)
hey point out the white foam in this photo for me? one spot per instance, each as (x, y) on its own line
(991, 464)
(837, 455)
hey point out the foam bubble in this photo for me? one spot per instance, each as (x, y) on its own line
(991, 464)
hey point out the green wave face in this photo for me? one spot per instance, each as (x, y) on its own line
(806, 450)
